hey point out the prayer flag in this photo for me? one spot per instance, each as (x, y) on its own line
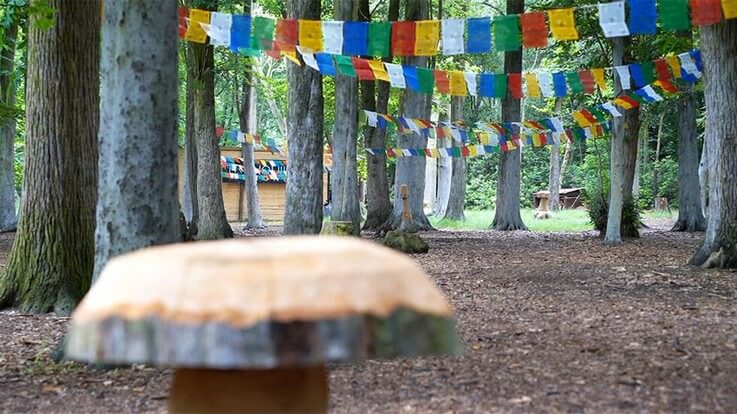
(332, 37)
(287, 34)
(705, 12)
(379, 35)
(643, 17)
(674, 15)
(587, 80)
(675, 65)
(396, 75)
(412, 80)
(623, 73)
(611, 19)
(308, 58)
(515, 85)
(355, 38)
(637, 75)
(598, 74)
(471, 83)
(427, 35)
(650, 93)
(240, 33)
(486, 85)
(479, 35)
(452, 31)
(562, 24)
(345, 66)
(377, 67)
(220, 25)
(506, 33)
(262, 32)
(534, 30)
(310, 34)
(580, 119)
(661, 67)
(574, 82)
(457, 83)
(500, 86)
(546, 84)
(589, 116)
(403, 38)
(326, 64)
(600, 116)
(559, 84)
(730, 9)
(182, 16)
(533, 86)
(666, 86)
(441, 81)
(426, 80)
(195, 32)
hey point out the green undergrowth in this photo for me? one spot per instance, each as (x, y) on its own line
(562, 221)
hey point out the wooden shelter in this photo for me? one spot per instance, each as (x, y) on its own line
(569, 197)
(271, 174)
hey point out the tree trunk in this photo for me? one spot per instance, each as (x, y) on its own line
(555, 168)
(642, 148)
(690, 215)
(344, 177)
(303, 214)
(616, 175)
(719, 248)
(138, 205)
(190, 206)
(378, 204)
(656, 172)
(49, 268)
(457, 201)
(8, 217)
(631, 145)
(704, 180)
(445, 175)
(507, 215)
(411, 170)
(567, 158)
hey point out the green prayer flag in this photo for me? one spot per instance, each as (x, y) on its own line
(456, 151)
(637, 97)
(262, 32)
(379, 39)
(345, 65)
(674, 14)
(427, 80)
(648, 72)
(500, 86)
(598, 114)
(573, 79)
(506, 33)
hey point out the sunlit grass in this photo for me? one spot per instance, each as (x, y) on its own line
(653, 214)
(564, 220)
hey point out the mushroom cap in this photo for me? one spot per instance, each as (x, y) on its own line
(261, 303)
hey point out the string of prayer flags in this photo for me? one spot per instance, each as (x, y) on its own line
(574, 82)
(427, 35)
(380, 73)
(506, 33)
(452, 41)
(587, 81)
(533, 86)
(643, 17)
(562, 24)
(182, 16)
(362, 68)
(396, 75)
(534, 30)
(379, 37)
(262, 33)
(355, 38)
(623, 72)
(674, 15)
(345, 66)
(332, 37)
(441, 81)
(310, 35)
(195, 32)
(479, 35)
(559, 84)
(515, 85)
(705, 12)
(471, 83)
(457, 83)
(611, 19)
(730, 9)
(403, 38)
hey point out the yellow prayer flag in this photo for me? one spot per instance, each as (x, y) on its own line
(398, 152)
(730, 8)
(533, 86)
(536, 140)
(624, 104)
(435, 153)
(310, 34)
(472, 152)
(675, 65)
(427, 35)
(599, 78)
(457, 83)
(291, 56)
(380, 72)
(195, 32)
(510, 145)
(580, 119)
(562, 24)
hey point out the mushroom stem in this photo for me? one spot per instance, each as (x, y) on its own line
(283, 390)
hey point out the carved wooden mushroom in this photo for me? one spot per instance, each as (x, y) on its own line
(249, 325)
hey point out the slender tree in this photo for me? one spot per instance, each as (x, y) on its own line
(138, 205)
(303, 214)
(554, 178)
(719, 248)
(444, 174)
(507, 215)
(190, 207)
(8, 217)
(457, 199)
(50, 265)
(616, 176)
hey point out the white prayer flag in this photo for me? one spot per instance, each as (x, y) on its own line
(412, 125)
(452, 36)
(332, 37)
(557, 125)
(406, 152)
(308, 57)
(609, 107)
(370, 151)
(688, 65)
(624, 76)
(611, 19)
(650, 92)
(480, 149)
(396, 75)
(545, 79)
(371, 118)
(587, 132)
(471, 82)
(219, 28)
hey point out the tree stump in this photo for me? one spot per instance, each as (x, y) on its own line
(542, 209)
(337, 228)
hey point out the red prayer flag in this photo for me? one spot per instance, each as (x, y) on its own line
(668, 86)
(428, 152)
(705, 12)
(183, 14)
(569, 134)
(504, 146)
(534, 30)
(589, 116)
(515, 85)
(587, 80)
(441, 81)
(543, 139)
(363, 70)
(629, 100)
(287, 34)
(390, 152)
(465, 151)
(274, 52)
(661, 67)
(403, 38)
(219, 131)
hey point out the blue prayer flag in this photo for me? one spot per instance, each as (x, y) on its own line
(240, 32)
(411, 78)
(696, 56)
(479, 35)
(643, 17)
(638, 76)
(355, 38)
(486, 85)
(642, 93)
(326, 64)
(559, 84)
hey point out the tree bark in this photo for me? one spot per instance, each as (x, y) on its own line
(631, 145)
(567, 158)
(190, 207)
(8, 216)
(719, 248)
(704, 180)
(457, 199)
(642, 148)
(444, 176)
(378, 204)
(49, 268)
(507, 214)
(344, 177)
(303, 214)
(555, 168)
(613, 234)
(137, 204)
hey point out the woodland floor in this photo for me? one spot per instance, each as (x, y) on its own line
(549, 322)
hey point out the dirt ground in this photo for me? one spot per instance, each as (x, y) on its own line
(549, 322)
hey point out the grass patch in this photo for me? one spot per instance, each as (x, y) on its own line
(653, 214)
(564, 220)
